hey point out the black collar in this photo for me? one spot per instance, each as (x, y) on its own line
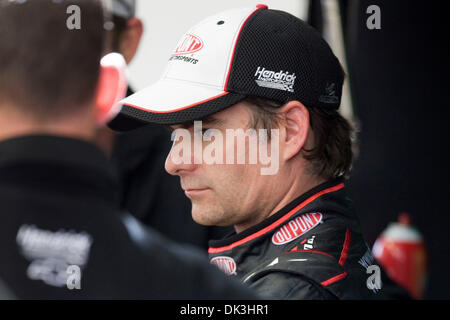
(277, 219)
(50, 162)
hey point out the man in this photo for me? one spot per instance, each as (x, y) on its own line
(147, 191)
(297, 235)
(61, 234)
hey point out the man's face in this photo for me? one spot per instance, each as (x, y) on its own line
(224, 194)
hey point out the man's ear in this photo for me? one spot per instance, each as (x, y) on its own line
(129, 41)
(296, 127)
(112, 87)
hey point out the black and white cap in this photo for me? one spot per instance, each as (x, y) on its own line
(232, 55)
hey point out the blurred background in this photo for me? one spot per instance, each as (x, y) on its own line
(399, 76)
(397, 93)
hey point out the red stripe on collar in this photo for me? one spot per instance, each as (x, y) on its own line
(278, 222)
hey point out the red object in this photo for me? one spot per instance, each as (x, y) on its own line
(345, 247)
(296, 228)
(334, 279)
(189, 44)
(226, 264)
(401, 251)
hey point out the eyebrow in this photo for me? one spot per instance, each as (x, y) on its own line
(208, 121)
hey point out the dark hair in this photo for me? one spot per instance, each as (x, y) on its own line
(120, 25)
(332, 155)
(46, 69)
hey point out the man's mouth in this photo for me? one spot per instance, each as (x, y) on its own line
(194, 192)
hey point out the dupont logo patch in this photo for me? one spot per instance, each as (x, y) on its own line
(188, 44)
(226, 264)
(296, 227)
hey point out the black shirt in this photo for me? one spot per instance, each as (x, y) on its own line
(60, 218)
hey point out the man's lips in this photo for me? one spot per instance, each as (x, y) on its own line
(194, 192)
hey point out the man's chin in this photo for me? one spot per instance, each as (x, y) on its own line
(206, 217)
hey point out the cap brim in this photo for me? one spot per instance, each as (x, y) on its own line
(170, 102)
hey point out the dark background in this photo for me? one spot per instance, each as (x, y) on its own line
(399, 77)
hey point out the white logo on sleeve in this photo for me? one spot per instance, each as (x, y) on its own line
(281, 80)
(51, 254)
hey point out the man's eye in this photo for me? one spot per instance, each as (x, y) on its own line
(207, 132)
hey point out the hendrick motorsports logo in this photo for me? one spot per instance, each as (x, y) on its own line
(281, 80)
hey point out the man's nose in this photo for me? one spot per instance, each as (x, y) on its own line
(179, 160)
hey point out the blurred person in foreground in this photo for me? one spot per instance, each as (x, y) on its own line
(147, 191)
(61, 235)
(261, 84)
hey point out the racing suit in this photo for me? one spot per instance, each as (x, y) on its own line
(311, 249)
